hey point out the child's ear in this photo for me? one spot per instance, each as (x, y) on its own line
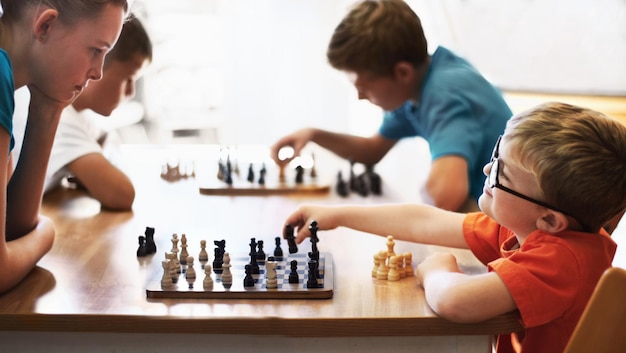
(552, 222)
(43, 23)
(404, 71)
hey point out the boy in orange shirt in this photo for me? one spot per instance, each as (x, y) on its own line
(555, 178)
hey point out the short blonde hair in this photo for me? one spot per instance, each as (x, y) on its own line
(578, 156)
(375, 35)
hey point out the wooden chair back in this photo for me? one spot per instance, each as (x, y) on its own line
(602, 327)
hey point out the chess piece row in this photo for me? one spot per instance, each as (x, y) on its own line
(363, 184)
(391, 266)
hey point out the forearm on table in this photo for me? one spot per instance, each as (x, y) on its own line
(410, 222)
(355, 148)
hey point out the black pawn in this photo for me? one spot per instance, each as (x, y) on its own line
(375, 181)
(260, 254)
(312, 278)
(250, 173)
(142, 250)
(150, 244)
(299, 174)
(342, 186)
(278, 251)
(248, 280)
(291, 239)
(293, 275)
(262, 173)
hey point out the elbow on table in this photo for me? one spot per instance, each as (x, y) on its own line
(120, 199)
(454, 307)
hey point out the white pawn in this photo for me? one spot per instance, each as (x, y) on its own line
(204, 255)
(376, 266)
(166, 280)
(208, 281)
(190, 275)
(270, 275)
(227, 276)
(183, 249)
(383, 269)
(408, 265)
(394, 274)
(401, 268)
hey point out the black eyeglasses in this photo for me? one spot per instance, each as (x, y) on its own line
(494, 182)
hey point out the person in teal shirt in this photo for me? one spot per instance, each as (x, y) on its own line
(440, 97)
(54, 48)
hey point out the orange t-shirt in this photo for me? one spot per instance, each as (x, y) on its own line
(550, 277)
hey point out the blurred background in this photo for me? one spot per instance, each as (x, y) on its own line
(243, 71)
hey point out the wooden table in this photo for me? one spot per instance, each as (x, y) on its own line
(90, 289)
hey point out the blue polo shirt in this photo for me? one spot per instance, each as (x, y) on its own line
(7, 93)
(459, 113)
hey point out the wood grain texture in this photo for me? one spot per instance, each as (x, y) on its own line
(93, 281)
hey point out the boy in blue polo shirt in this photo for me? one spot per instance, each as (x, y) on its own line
(380, 44)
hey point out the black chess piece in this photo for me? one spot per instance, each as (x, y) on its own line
(150, 244)
(262, 173)
(248, 280)
(253, 261)
(278, 251)
(218, 258)
(312, 278)
(250, 173)
(353, 181)
(375, 181)
(291, 239)
(363, 184)
(342, 186)
(228, 176)
(293, 274)
(299, 174)
(142, 250)
(260, 254)
(313, 228)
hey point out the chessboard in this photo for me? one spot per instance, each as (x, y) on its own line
(284, 290)
(281, 275)
(262, 177)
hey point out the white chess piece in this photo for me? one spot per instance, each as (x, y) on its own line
(183, 249)
(227, 276)
(174, 268)
(166, 280)
(270, 273)
(208, 281)
(383, 269)
(408, 264)
(394, 274)
(204, 255)
(190, 275)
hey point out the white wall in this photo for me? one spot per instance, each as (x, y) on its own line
(258, 68)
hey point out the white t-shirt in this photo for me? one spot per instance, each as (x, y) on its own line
(76, 136)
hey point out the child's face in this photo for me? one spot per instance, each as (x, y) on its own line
(73, 55)
(383, 91)
(117, 83)
(507, 209)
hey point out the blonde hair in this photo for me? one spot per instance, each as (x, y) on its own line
(578, 156)
(375, 35)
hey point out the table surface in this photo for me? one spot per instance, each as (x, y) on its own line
(92, 280)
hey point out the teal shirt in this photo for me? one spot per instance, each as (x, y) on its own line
(459, 113)
(7, 95)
